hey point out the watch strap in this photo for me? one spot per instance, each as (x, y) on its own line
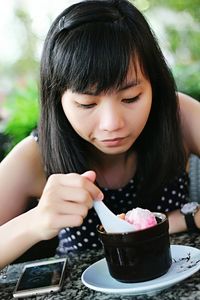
(189, 219)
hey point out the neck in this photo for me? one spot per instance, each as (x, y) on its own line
(115, 171)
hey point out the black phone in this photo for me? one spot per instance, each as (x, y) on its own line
(40, 278)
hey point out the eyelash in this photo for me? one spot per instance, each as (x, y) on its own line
(85, 106)
(129, 100)
(132, 100)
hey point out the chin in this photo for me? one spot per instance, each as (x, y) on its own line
(114, 151)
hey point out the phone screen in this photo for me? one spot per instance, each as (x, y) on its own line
(41, 277)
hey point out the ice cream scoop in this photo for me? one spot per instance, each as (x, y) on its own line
(111, 222)
(140, 218)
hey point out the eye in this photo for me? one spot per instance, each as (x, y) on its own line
(85, 106)
(131, 100)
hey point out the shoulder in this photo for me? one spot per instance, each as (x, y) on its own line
(190, 122)
(24, 166)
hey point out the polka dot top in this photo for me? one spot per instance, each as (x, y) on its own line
(121, 200)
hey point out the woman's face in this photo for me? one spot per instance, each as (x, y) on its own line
(111, 121)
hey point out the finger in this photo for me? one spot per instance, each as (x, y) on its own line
(69, 221)
(75, 181)
(54, 196)
(91, 175)
(52, 224)
(80, 196)
(73, 208)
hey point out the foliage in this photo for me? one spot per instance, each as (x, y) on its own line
(183, 43)
(191, 6)
(22, 101)
(22, 105)
(188, 79)
(27, 63)
(5, 144)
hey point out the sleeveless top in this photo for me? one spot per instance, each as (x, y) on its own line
(172, 197)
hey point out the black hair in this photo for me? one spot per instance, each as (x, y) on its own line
(91, 43)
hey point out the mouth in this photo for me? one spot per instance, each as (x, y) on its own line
(110, 140)
(113, 142)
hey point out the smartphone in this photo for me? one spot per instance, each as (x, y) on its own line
(40, 278)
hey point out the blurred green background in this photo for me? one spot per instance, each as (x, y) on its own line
(176, 24)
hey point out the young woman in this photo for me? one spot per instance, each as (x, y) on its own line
(112, 128)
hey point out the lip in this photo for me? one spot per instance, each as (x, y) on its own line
(113, 142)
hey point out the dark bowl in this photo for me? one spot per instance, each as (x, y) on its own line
(139, 255)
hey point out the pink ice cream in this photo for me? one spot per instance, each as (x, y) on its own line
(140, 218)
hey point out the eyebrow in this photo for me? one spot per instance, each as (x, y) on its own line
(129, 85)
(123, 87)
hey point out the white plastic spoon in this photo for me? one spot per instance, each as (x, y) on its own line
(110, 222)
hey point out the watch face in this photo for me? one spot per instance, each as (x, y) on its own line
(190, 208)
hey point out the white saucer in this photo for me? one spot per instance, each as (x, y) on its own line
(186, 261)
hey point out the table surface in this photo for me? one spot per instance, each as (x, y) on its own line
(74, 289)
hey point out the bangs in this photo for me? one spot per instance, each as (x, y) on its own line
(98, 62)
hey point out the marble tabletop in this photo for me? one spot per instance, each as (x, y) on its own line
(74, 288)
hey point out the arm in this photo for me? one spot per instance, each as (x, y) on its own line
(177, 221)
(64, 201)
(21, 177)
(53, 213)
(190, 122)
(17, 236)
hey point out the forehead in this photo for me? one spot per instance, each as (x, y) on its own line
(133, 77)
(135, 71)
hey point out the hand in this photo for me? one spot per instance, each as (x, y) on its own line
(65, 202)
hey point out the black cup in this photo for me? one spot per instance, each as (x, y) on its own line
(139, 255)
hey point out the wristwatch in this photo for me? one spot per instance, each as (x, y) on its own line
(189, 210)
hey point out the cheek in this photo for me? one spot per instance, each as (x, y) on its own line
(76, 123)
(146, 111)
(142, 115)
(71, 115)
(77, 120)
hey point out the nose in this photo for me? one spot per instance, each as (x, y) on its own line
(111, 117)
